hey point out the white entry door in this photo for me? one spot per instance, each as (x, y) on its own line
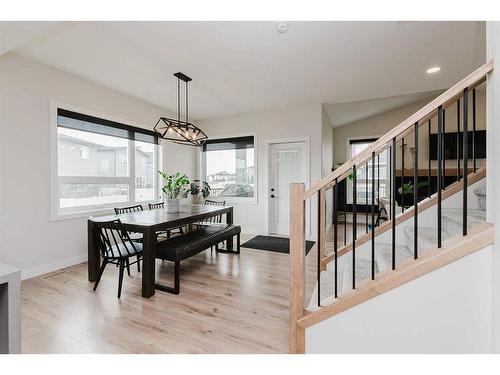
(288, 164)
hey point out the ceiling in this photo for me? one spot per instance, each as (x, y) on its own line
(345, 113)
(240, 67)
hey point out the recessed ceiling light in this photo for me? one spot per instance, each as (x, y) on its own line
(282, 27)
(433, 69)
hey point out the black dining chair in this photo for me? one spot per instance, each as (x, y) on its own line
(126, 210)
(213, 219)
(137, 237)
(116, 247)
(153, 206)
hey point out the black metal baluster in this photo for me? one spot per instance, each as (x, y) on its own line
(474, 130)
(378, 187)
(466, 158)
(390, 182)
(335, 227)
(429, 161)
(373, 215)
(393, 203)
(345, 212)
(366, 197)
(439, 174)
(415, 195)
(402, 174)
(354, 224)
(443, 156)
(319, 244)
(458, 140)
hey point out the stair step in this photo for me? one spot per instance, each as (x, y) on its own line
(383, 255)
(452, 219)
(327, 286)
(427, 237)
(481, 197)
(363, 272)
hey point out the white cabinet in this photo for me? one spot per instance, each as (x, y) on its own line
(10, 309)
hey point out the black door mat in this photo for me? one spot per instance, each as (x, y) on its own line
(276, 244)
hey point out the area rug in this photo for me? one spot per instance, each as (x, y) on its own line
(276, 244)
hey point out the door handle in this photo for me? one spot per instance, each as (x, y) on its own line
(273, 196)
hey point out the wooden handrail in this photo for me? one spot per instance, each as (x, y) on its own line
(472, 80)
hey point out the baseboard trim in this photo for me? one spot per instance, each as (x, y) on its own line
(51, 267)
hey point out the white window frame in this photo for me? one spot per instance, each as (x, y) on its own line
(235, 200)
(57, 213)
(349, 199)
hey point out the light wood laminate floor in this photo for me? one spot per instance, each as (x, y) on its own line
(228, 304)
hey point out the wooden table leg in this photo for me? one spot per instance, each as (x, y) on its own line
(229, 220)
(94, 258)
(148, 263)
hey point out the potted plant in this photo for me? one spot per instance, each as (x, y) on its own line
(199, 190)
(174, 187)
(406, 193)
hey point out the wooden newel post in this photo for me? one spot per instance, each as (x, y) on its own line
(297, 266)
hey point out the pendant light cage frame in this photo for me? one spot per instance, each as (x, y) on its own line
(177, 130)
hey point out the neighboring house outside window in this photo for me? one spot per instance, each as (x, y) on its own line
(229, 168)
(102, 164)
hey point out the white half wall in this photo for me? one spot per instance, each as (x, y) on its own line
(29, 240)
(492, 162)
(446, 311)
(289, 123)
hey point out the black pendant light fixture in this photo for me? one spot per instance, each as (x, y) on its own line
(176, 130)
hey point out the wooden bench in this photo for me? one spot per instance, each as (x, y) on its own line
(178, 248)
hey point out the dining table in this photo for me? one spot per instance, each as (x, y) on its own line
(148, 223)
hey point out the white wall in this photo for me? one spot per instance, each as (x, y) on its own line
(29, 240)
(492, 163)
(380, 124)
(299, 121)
(445, 311)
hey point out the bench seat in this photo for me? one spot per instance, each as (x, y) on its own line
(178, 248)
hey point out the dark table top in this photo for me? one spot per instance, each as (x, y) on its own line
(188, 213)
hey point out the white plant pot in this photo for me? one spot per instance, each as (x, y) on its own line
(172, 205)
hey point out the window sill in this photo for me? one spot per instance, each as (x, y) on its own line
(91, 212)
(81, 214)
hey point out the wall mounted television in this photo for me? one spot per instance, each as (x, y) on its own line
(450, 145)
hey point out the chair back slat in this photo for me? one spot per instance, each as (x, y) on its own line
(126, 210)
(153, 206)
(113, 240)
(215, 219)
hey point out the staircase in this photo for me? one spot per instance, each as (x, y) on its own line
(427, 239)
(435, 231)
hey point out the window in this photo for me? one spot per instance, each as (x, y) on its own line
(230, 167)
(355, 147)
(102, 163)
